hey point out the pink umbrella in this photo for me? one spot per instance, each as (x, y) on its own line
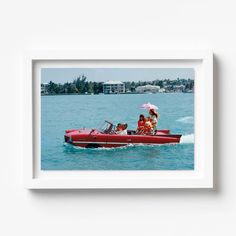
(148, 106)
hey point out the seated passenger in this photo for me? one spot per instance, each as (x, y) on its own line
(121, 129)
(118, 127)
(141, 124)
(148, 127)
(154, 118)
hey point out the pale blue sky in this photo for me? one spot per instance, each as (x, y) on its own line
(62, 75)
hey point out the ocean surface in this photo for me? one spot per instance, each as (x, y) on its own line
(62, 112)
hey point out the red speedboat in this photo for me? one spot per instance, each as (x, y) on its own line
(106, 137)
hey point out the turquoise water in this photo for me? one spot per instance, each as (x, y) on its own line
(77, 111)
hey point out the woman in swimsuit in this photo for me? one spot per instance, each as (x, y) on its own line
(141, 124)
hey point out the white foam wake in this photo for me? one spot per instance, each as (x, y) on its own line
(186, 120)
(188, 138)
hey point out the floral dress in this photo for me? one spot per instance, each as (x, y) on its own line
(154, 122)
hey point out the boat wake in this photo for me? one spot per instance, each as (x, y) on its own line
(71, 148)
(188, 138)
(186, 120)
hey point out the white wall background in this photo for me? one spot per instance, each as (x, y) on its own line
(124, 24)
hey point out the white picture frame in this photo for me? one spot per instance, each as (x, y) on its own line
(200, 177)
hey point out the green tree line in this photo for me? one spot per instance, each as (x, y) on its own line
(82, 86)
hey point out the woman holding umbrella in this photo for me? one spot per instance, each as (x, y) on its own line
(153, 113)
(154, 117)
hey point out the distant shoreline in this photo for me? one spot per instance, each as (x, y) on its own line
(81, 86)
(65, 94)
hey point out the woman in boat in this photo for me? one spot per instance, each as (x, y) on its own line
(154, 118)
(148, 127)
(141, 124)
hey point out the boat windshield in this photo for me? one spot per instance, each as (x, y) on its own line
(106, 127)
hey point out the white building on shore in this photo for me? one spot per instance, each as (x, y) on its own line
(148, 89)
(111, 87)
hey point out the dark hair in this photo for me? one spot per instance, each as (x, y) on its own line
(141, 116)
(153, 112)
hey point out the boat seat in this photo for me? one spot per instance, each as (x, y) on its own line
(131, 132)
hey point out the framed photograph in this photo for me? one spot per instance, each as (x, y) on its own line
(118, 119)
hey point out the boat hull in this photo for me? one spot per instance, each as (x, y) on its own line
(93, 138)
